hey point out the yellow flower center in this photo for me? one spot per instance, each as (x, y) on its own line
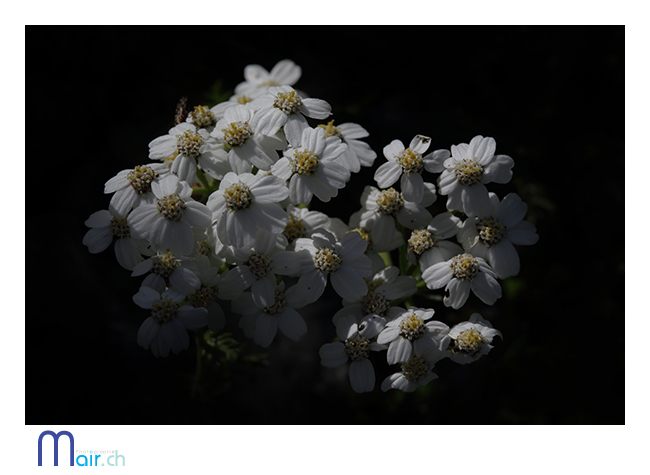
(357, 347)
(465, 266)
(238, 196)
(411, 162)
(304, 162)
(141, 178)
(294, 229)
(189, 143)
(171, 207)
(288, 102)
(470, 341)
(412, 327)
(421, 240)
(328, 259)
(203, 117)
(236, 133)
(468, 171)
(330, 130)
(490, 231)
(390, 201)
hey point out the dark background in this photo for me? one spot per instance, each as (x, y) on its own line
(552, 97)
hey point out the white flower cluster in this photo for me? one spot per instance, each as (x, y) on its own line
(222, 214)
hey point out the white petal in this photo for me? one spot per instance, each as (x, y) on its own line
(332, 355)
(512, 210)
(438, 275)
(486, 288)
(523, 234)
(504, 259)
(147, 332)
(348, 283)
(266, 326)
(458, 293)
(301, 189)
(313, 284)
(412, 187)
(362, 376)
(399, 351)
(192, 317)
(387, 174)
(292, 324)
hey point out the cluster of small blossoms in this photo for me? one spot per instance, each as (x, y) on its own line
(219, 217)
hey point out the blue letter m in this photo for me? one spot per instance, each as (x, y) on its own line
(55, 436)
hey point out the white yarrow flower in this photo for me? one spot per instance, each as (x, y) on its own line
(132, 187)
(465, 174)
(383, 207)
(106, 228)
(244, 203)
(167, 223)
(186, 147)
(355, 345)
(408, 163)
(459, 275)
(492, 236)
(166, 328)
(284, 107)
(311, 167)
(408, 334)
(246, 147)
(343, 261)
(357, 153)
(257, 268)
(428, 246)
(258, 79)
(471, 339)
(261, 322)
(416, 372)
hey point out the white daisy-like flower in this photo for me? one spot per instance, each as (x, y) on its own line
(408, 334)
(357, 154)
(106, 228)
(284, 107)
(339, 228)
(343, 261)
(168, 271)
(428, 246)
(167, 223)
(235, 100)
(186, 147)
(246, 148)
(257, 268)
(384, 286)
(408, 163)
(465, 174)
(246, 202)
(471, 339)
(311, 167)
(133, 187)
(355, 345)
(303, 222)
(208, 292)
(166, 328)
(492, 236)
(258, 79)
(383, 207)
(459, 275)
(416, 372)
(262, 322)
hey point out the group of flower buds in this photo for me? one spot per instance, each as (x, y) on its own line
(221, 213)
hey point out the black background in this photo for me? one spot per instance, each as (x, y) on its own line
(552, 97)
